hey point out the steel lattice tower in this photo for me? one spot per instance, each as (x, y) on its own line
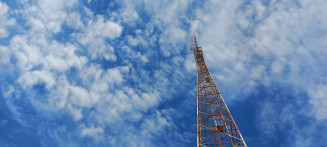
(215, 124)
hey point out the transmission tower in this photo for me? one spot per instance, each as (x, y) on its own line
(215, 124)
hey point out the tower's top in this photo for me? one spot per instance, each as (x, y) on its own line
(194, 46)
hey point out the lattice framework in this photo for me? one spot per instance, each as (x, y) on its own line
(215, 124)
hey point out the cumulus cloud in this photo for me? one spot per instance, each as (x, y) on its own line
(277, 37)
(94, 35)
(128, 14)
(92, 131)
(46, 15)
(255, 45)
(5, 21)
(74, 20)
(28, 79)
(115, 73)
(92, 93)
(42, 60)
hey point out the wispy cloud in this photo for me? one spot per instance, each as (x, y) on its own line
(318, 100)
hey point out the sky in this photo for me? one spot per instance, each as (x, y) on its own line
(120, 73)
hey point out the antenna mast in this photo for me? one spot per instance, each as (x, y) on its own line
(215, 124)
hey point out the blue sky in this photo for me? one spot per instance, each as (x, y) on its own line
(119, 73)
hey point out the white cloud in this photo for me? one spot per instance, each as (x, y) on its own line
(5, 21)
(79, 96)
(47, 16)
(57, 99)
(278, 66)
(4, 55)
(126, 104)
(27, 52)
(195, 26)
(137, 40)
(266, 123)
(170, 38)
(114, 75)
(275, 35)
(147, 100)
(9, 92)
(91, 131)
(154, 124)
(76, 112)
(190, 64)
(62, 57)
(128, 13)
(120, 98)
(41, 59)
(318, 99)
(74, 20)
(28, 79)
(103, 28)
(250, 45)
(275, 113)
(170, 22)
(94, 34)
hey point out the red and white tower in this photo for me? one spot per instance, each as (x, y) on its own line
(215, 124)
